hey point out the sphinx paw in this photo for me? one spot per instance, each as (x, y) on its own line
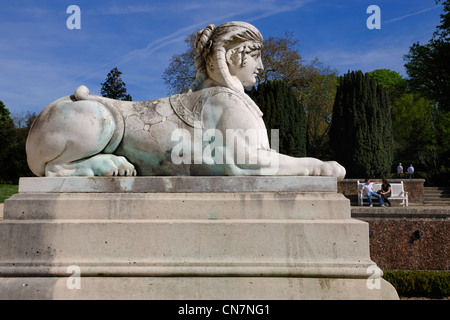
(111, 165)
(333, 169)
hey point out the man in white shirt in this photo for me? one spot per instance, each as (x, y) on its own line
(399, 169)
(368, 189)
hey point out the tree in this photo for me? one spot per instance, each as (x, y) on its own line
(414, 131)
(428, 69)
(317, 96)
(13, 159)
(281, 60)
(396, 88)
(428, 65)
(114, 87)
(24, 120)
(361, 128)
(6, 142)
(414, 119)
(393, 82)
(282, 111)
(19, 156)
(181, 70)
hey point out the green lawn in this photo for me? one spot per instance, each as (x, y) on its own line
(7, 190)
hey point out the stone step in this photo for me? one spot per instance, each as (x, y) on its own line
(436, 192)
(168, 247)
(436, 203)
(436, 199)
(196, 288)
(177, 206)
(436, 196)
(437, 188)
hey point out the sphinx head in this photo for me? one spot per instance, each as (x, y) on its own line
(229, 54)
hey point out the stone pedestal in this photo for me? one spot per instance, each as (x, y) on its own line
(185, 238)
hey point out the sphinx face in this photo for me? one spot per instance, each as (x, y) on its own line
(245, 64)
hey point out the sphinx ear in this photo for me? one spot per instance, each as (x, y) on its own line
(229, 56)
(234, 57)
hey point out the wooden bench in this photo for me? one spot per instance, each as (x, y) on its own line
(397, 193)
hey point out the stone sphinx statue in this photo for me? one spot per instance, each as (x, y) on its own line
(212, 128)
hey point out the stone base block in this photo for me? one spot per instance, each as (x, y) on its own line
(230, 243)
(195, 288)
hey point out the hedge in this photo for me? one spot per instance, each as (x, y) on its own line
(426, 283)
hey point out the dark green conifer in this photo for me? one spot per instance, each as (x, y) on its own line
(361, 130)
(284, 112)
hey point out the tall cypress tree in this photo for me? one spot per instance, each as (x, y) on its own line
(114, 87)
(282, 111)
(361, 130)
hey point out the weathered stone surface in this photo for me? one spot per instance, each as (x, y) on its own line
(176, 184)
(180, 206)
(196, 288)
(187, 245)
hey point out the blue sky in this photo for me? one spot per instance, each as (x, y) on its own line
(42, 60)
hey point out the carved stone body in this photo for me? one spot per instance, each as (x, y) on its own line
(94, 135)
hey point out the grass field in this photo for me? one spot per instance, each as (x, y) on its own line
(7, 190)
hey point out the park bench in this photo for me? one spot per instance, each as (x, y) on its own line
(397, 193)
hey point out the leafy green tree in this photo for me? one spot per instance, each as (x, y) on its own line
(13, 158)
(114, 87)
(19, 157)
(181, 70)
(7, 143)
(428, 69)
(317, 96)
(361, 128)
(392, 81)
(428, 65)
(282, 111)
(281, 60)
(414, 131)
(6, 132)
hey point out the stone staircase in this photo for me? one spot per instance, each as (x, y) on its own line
(437, 196)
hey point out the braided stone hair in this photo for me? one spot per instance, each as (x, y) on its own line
(213, 41)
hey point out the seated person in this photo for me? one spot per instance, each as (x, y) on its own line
(385, 192)
(368, 189)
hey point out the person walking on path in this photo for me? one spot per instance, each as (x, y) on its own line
(399, 170)
(368, 189)
(411, 171)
